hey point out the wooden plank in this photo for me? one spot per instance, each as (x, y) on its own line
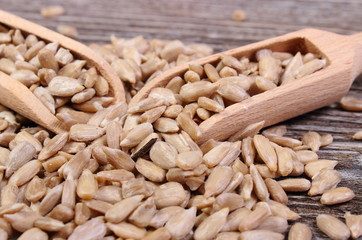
(209, 21)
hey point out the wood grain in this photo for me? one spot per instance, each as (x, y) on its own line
(209, 21)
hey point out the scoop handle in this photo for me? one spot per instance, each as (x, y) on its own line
(357, 39)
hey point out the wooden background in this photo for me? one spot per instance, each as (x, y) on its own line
(209, 21)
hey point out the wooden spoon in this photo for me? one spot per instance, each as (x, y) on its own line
(344, 63)
(19, 98)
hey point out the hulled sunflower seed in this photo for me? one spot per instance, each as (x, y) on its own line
(300, 231)
(332, 227)
(337, 195)
(354, 223)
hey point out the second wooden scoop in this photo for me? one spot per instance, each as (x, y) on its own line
(19, 98)
(344, 64)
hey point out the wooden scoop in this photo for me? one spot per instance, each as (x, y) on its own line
(344, 64)
(19, 98)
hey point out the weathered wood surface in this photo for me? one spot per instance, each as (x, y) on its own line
(209, 21)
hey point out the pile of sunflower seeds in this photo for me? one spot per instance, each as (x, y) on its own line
(208, 90)
(138, 173)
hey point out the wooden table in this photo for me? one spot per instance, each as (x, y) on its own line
(209, 21)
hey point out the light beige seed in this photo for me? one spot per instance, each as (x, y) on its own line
(227, 72)
(9, 194)
(22, 153)
(326, 179)
(52, 11)
(218, 180)
(190, 109)
(25, 65)
(310, 67)
(87, 185)
(161, 233)
(26, 77)
(351, 103)
(203, 114)
(300, 231)
(127, 230)
(210, 227)
(261, 235)
(189, 160)
(44, 96)
(7, 66)
(152, 115)
(172, 111)
(69, 192)
(51, 199)
(337, 195)
(276, 191)
(191, 76)
(62, 213)
(119, 159)
(249, 131)
(143, 214)
(332, 227)
(357, 135)
(209, 104)
(175, 84)
(190, 92)
(163, 215)
(270, 68)
(181, 224)
(81, 213)
(248, 150)
(121, 210)
(98, 205)
(68, 31)
(246, 187)
(260, 188)
(33, 233)
(93, 229)
(83, 96)
(189, 126)
(25, 173)
(35, 190)
(53, 146)
(62, 86)
(285, 161)
(231, 201)
(295, 184)
(48, 224)
(164, 155)
(312, 140)
(306, 156)
(47, 59)
(12, 53)
(85, 132)
(281, 210)
(108, 193)
(238, 15)
(72, 70)
(232, 91)
(73, 147)
(74, 167)
(266, 152)
(136, 186)
(234, 218)
(274, 224)
(312, 168)
(211, 72)
(169, 194)
(264, 84)
(66, 231)
(21, 221)
(255, 218)
(354, 223)
(64, 57)
(116, 175)
(137, 134)
(166, 125)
